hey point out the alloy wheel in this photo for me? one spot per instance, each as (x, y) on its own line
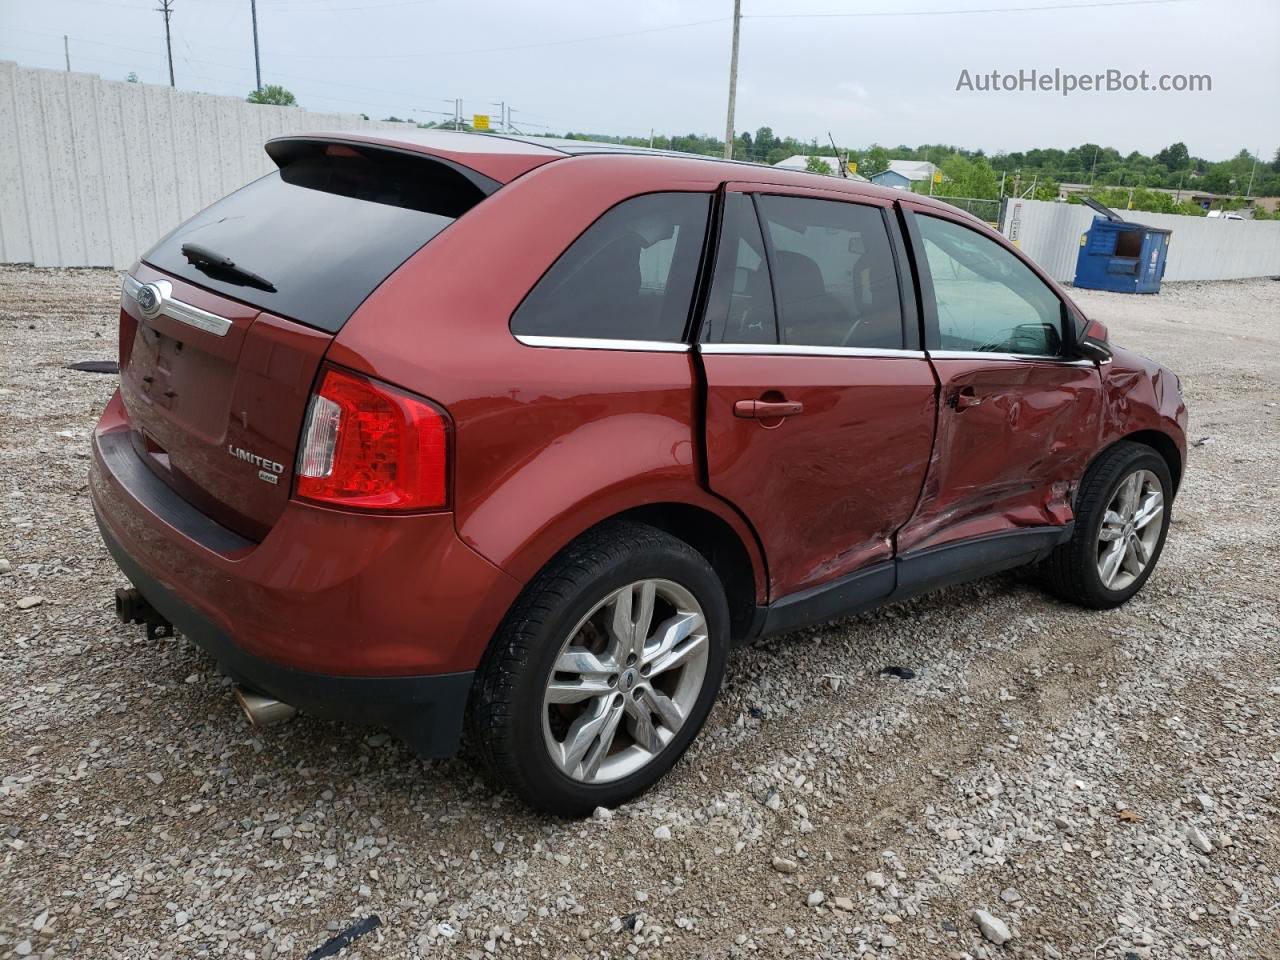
(1130, 529)
(625, 680)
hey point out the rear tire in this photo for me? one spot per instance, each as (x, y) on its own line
(1122, 518)
(603, 672)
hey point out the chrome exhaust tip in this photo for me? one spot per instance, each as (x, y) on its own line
(261, 710)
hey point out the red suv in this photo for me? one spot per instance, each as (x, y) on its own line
(523, 435)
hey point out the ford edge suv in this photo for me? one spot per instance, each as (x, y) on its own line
(448, 432)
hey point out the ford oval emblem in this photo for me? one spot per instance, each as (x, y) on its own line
(149, 300)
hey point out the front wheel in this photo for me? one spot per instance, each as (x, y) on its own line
(1122, 518)
(603, 672)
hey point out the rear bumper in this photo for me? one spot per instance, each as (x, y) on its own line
(370, 618)
(424, 711)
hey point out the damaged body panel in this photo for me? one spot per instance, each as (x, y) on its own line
(1014, 438)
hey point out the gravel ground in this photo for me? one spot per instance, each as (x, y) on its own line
(1104, 785)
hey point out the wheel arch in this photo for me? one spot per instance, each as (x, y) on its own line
(719, 544)
(725, 540)
(1162, 444)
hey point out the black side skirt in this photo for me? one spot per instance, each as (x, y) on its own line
(908, 575)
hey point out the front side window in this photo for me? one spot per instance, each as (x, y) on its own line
(833, 273)
(630, 276)
(989, 301)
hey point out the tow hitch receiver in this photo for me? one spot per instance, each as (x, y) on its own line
(133, 607)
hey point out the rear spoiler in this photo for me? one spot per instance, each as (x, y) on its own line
(286, 150)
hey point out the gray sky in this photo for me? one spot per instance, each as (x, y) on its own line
(624, 67)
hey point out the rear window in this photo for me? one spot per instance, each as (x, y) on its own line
(630, 276)
(324, 230)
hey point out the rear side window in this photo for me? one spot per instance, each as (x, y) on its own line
(630, 276)
(324, 230)
(989, 301)
(740, 308)
(833, 273)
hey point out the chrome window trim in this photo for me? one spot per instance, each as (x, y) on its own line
(173, 308)
(801, 350)
(595, 343)
(984, 355)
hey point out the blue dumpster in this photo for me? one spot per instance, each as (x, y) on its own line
(1121, 256)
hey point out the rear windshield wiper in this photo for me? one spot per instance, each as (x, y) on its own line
(217, 265)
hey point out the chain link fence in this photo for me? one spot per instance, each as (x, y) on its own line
(988, 210)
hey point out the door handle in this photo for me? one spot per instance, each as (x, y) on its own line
(767, 409)
(963, 399)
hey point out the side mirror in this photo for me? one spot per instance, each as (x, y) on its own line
(1093, 344)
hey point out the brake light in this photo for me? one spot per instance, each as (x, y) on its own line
(371, 446)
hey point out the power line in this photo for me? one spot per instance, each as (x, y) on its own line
(521, 46)
(972, 10)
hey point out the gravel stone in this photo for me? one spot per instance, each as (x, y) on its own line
(1196, 837)
(992, 927)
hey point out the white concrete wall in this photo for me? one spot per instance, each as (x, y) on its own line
(1201, 248)
(93, 171)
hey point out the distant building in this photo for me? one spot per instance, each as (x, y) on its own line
(903, 173)
(801, 162)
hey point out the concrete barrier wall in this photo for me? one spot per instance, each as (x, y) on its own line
(1201, 248)
(93, 171)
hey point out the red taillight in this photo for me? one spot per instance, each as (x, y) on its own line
(371, 446)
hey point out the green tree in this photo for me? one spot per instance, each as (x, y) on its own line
(877, 158)
(1174, 156)
(275, 94)
(818, 165)
(964, 177)
(131, 78)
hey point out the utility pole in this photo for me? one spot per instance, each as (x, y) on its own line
(1251, 172)
(66, 52)
(733, 80)
(257, 65)
(166, 7)
(651, 138)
